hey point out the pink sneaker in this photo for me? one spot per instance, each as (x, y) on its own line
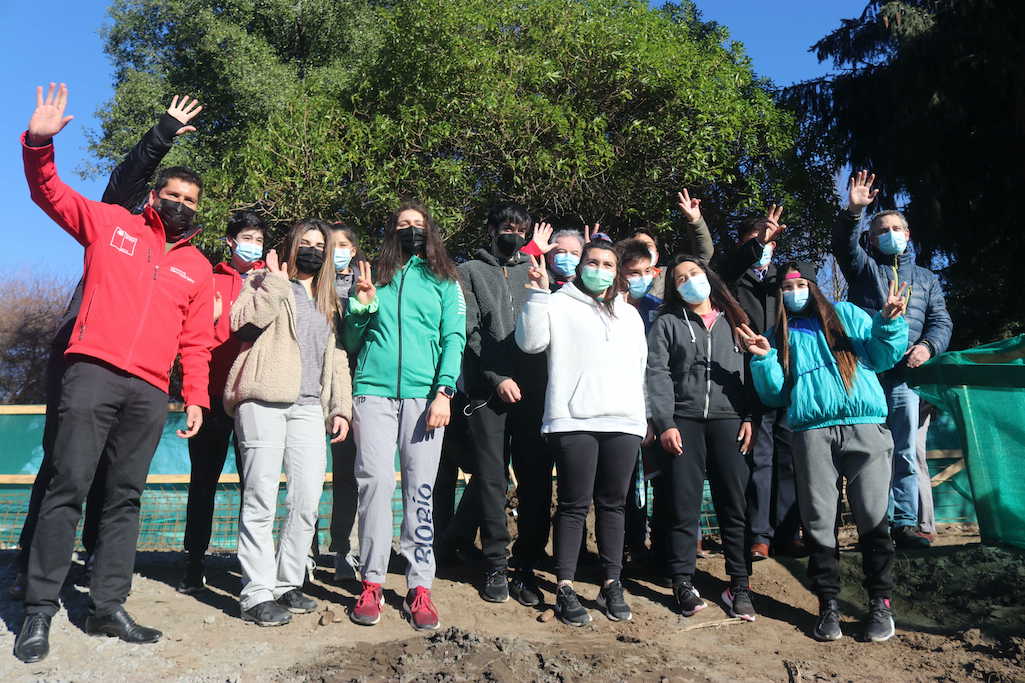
(367, 611)
(422, 614)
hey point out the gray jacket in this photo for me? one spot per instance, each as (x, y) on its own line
(694, 372)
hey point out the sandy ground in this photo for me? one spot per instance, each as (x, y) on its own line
(968, 626)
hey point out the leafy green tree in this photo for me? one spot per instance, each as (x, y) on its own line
(930, 95)
(585, 110)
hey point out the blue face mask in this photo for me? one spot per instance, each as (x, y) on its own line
(597, 279)
(248, 252)
(893, 242)
(639, 285)
(343, 256)
(796, 299)
(766, 257)
(695, 289)
(566, 263)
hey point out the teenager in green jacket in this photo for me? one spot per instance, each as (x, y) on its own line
(409, 330)
(821, 366)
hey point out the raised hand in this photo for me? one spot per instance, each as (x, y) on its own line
(590, 232)
(48, 119)
(365, 290)
(771, 227)
(184, 111)
(860, 192)
(691, 208)
(339, 429)
(193, 421)
(542, 237)
(537, 275)
(672, 442)
(756, 344)
(273, 267)
(896, 300)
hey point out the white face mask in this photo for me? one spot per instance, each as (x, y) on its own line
(654, 256)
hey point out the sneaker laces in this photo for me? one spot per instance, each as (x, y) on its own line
(371, 594)
(493, 574)
(570, 597)
(422, 601)
(614, 592)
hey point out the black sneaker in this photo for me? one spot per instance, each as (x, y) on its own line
(568, 608)
(879, 625)
(908, 538)
(523, 588)
(612, 602)
(297, 603)
(828, 626)
(738, 603)
(688, 599)
(193, 578)
(496, 586)
(268, 613)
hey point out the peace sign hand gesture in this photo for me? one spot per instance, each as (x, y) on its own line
(183, 111)
(48, 119)
(691, 208)
(542, 236)
(896, 300)
(860, 192)
(756, 344)
(365, 290)
(274, 268)
(590, 232)
(537, 275)
(771, 227)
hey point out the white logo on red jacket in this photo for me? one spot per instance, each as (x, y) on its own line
(181, 273)
(123, 242)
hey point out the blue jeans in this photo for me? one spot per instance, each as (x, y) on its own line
(902, 405)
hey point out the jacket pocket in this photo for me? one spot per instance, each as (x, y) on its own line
(606, 395)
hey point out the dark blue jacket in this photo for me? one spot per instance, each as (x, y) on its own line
(869, 273)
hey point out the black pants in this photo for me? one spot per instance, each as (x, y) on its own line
(590, 465)
(710, 449)
(100, 406)
(500, 433)
(636, 536)
(55, 367)
(772, 510)
(344, 494)
(208, 450)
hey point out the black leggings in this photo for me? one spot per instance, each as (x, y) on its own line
(596, 465)
(709, 448)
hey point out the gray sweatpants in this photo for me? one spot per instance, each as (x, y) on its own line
(270, 434)
(382, 425)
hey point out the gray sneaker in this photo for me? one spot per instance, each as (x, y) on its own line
(879, 625)
(827, 628)
(568, 608)
(297, 603)
(268, 613)
(613, 603)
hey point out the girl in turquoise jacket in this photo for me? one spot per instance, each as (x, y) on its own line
(821, 365)
(409, 330)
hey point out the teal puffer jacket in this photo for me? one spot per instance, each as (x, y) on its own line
(813, 391)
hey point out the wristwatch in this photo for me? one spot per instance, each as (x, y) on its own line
(449, 392)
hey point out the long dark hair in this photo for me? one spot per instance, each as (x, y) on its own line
(618, 285)
(720, 297)
(836, 336)
(392, 258)
(323, 286)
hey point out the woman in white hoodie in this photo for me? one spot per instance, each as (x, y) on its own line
(594, 412)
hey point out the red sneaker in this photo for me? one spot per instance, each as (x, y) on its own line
(422, 614)
(367, 611)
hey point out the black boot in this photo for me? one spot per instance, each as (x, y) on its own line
(33, 641)
(120, 625)
(192, 578)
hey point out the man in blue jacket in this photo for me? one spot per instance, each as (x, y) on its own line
(869, 263)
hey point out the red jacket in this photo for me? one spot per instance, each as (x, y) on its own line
(227, 282)
(141, 306)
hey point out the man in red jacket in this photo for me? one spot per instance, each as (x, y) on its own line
(148, 297)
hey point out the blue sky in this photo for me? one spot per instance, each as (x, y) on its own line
(777, 36)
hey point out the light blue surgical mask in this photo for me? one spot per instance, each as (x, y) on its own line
(795, 299)
(597, 279)
(566, 263)
(696, 289)
(639, 285)
(766, 258)
(248, 251)
(343, 256)
(893, 242)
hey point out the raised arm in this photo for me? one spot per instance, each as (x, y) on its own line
(699, 236)
(847, 249)
(533, 333)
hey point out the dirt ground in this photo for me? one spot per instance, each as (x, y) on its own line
(960, 616)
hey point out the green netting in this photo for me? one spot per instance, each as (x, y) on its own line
(984, 390)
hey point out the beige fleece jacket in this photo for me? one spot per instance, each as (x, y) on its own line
(268, 369)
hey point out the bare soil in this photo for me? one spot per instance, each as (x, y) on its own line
(959, 613)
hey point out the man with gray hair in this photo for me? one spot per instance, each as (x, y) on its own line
(870, 262)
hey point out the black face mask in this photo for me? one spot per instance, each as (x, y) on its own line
(177, 219)
(507, 244)
(309, 260)
(412, 240)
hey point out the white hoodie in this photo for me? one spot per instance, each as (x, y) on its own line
(596, 362)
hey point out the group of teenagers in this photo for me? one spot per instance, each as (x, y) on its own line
(549, 348)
